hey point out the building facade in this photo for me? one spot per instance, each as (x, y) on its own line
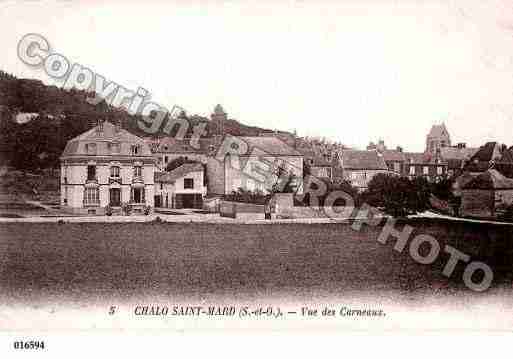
(359, 167)
(106, 166)
(258, 169)
(486, 195)
(183, 187)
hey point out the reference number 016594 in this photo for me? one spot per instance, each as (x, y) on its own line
(29, 345)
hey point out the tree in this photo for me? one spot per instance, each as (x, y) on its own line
(398, 196)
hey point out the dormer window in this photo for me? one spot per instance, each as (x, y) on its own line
(91, 148)
(135, 150)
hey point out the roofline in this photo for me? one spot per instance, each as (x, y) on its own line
(89, 157)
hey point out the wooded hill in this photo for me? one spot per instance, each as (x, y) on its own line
(63, 114)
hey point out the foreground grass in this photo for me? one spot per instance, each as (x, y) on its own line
(85, 260)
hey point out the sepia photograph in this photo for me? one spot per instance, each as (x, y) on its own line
(244, 166)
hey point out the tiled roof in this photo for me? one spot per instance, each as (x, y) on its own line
(393, 155)
(173, 145)
(490, 155)
(270, 145)
(491, 179)
(103, 139)
(454, 153)
(179, 172)
(364, 160)
(420, 158)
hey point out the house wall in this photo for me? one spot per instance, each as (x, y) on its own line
(433, 170)
(74, 178)
(251, 178)
(171, 189)
(215, 176)
(361, 178)
(166, 191)
(477, 203)
(197, 176)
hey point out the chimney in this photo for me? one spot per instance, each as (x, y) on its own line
(99, 127)
(399, 149)
(462, 145)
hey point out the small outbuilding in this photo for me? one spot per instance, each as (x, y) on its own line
(183, 187)
(486, 195)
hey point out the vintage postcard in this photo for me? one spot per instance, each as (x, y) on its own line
(178, 166)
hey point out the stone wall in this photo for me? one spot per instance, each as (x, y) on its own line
(477, 203)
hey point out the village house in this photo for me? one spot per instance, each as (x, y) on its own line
(106, 166)
(426, 165)
(491, 155)
(256, 168)
(456, 157)
(395, 160)
(182, 187)
(486, 195)
(359, 167)
(167, 149)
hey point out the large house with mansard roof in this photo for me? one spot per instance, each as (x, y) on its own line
(107, 165)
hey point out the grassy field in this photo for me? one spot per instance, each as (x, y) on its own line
(81, 261)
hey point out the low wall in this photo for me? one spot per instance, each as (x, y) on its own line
(239, 209)
(310, 212)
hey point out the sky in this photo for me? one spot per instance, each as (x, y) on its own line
(351, 71)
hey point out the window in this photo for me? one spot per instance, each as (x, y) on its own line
(138, 195)
(91, 173)
(135, 150)
(114, 147)
(114, 171)
(91, 196)
(397, 167)
(412, 170)
(425, 170)
(188, 183)
(166, 159)
(137, 171)
(91, 148)
(439, 170)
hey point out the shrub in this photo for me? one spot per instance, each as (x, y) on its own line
(126, 208)
(245, 196)
(147, 210)
(108, 210)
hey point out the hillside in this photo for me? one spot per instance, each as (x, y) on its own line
(54, 115)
